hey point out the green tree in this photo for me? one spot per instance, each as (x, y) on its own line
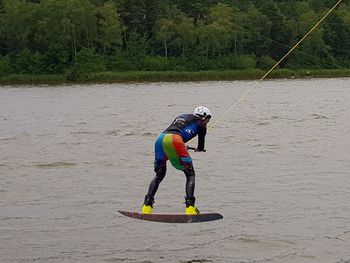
(187, 35)
(27, 62)
(17, 25)
(195, 9)
(165, 33)
(215, 33)
(51, 36)
(109, 28)
(1, 6)
(279, 32)
(154, 10)
(5, 66)
(255, 40)
(137, 46)
(317, 5)
(72, 23)
(133, 15)
(56, 58)
(337, 34)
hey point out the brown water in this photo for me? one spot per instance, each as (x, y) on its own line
(277, 167)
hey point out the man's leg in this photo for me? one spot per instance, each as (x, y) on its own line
(182, 160)
(190, 183)
(160, 169)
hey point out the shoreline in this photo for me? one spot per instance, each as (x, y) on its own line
(171, 76)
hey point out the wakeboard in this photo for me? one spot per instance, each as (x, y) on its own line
(173, 218)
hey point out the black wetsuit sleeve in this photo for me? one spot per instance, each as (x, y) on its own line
(201, 138)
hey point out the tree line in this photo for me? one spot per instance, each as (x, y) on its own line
(81, 36)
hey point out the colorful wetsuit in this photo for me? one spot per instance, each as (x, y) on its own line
(170, 145)
(171, 142)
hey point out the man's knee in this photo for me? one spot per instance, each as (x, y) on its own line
(160, 170)
(159, 166)
(188, 168)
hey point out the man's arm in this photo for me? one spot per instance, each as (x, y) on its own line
(201, 140)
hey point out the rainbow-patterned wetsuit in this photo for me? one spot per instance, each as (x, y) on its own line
(171, 142)
(170, 145)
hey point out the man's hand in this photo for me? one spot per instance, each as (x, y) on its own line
(194, 149)
(197, 150)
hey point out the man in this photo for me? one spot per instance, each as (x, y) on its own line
(170, 145)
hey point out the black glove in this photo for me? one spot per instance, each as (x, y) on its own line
(197, 150)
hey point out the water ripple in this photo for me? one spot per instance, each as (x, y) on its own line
(55, 165)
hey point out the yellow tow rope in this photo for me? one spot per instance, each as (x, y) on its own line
(267, 73)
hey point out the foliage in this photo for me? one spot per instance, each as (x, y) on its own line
(5, 66)
(81, 37)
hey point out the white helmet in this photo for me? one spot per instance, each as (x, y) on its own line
(202, 111)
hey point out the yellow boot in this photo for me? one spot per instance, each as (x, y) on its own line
(146, 209)
(191, 210)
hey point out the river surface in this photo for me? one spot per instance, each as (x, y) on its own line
(277, 167)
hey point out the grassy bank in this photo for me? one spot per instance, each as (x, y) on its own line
(173, 76)
(14, 79)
